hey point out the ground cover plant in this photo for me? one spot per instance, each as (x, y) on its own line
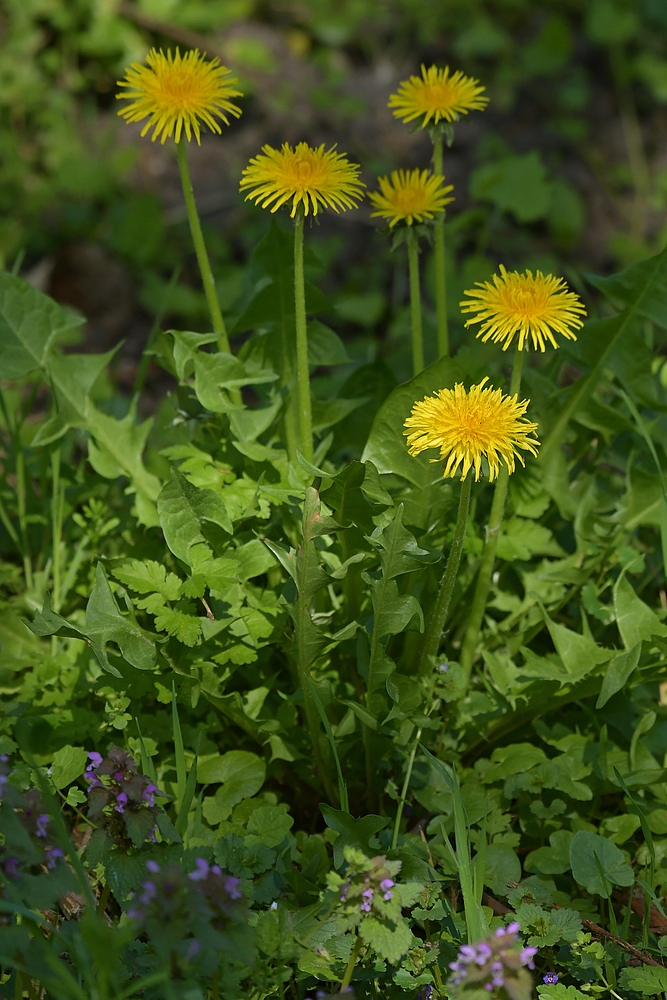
(315, 682)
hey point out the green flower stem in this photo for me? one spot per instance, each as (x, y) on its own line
(483, 584)
(356, 948)
(404, 791)
(200, 249)
(57, 502)
(415, 304)
(438, 616)
(23, 523)
(302, 370)
(439, 250)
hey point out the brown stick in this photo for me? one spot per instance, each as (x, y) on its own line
(500, 909)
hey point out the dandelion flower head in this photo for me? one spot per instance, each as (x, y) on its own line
(534, 306)
(313, 178)
(437, 94)
(177, 92)
(469, 426)
(410, 196)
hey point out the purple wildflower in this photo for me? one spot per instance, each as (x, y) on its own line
(527, 956)
(194, 949)
(148, 794)
(550, 978)
(4, 757)
(41, 824)
(153, 867)
(121, 802)
(442, 668)
(95, 759)
(386, 885)
(344, 889)
(52, 855)
(425, 992)
(200, 872)
(11, 868)
(232, 887)
(367, 896)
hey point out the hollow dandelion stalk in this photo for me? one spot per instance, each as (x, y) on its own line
(308, 180)
(409, 198)
(468, 429)
(177, 95)
(528, 310)
(435, 101)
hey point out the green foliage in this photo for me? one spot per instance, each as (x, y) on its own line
(248, 625)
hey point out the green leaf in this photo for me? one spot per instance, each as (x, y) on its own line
(241, 774)
(558, 991)
(393, 612)
(387, 940)
(325, 346)
(636, 621)
(183, 509)
(501, 866)
(618, 673)
(517, 184)
(386, 447)
(105, 623)
(579, 653)
(68, 763)
(270, 824)
(643, 291)
(215, 374)
(522, 539)
(646, 979)
(352, 832)
(30, 325)
(553, 860)
(186, 628)
(149, 577)
(398, 549)
(270, 300)
(596, 862)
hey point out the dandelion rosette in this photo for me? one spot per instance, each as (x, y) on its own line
(410, 196)
(313, 178)
(532, 306)
(437, 95)
(470, 426)
(177, 93)
(498, 964)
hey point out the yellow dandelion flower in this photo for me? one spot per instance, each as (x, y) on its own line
(177, 92)
(530, 305)
(314, 179)
(410, 195)
(437, 94)
(469, 426)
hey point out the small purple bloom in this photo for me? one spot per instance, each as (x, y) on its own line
(442, 668)
(11, 868)
(367, 896)
(118, 776)
(4, 757)
(95, 759)
(488, 986)
(513, 928)
(232, 887)
(527, 956)
(201, 870)
(52, 855)
(121, 802)
(153, 867)
(194, 949)
(344, 889)
(216, 870)
(41, 824)
(425, 992)
(148, 794)
(550, 978)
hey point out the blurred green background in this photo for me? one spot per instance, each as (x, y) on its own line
(566, 170)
